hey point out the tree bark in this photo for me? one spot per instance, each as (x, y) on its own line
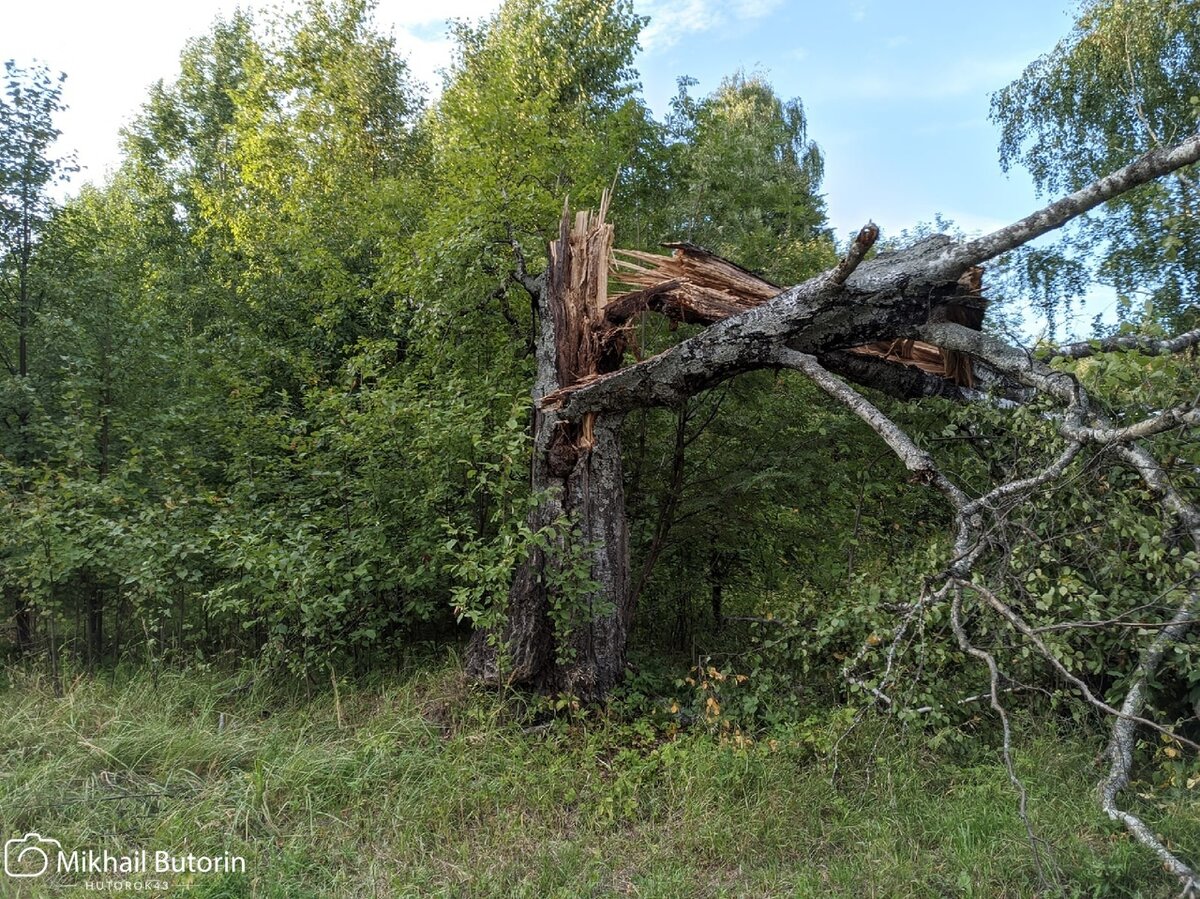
(564, 633)
(94, 620)
(22, 622)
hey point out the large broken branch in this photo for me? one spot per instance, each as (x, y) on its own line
(1153, 165)
(882, 298)
(695, 286)
(1080, 426)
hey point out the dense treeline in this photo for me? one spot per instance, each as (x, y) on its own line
(266, 389)
(273, 381)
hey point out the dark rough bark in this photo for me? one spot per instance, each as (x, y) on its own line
(557, 637)
(719, 564)
(94, 621)
(901, 381)
(22, 622)
(554, 640)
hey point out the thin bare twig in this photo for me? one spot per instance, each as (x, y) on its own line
(994, 680)
(859, 248)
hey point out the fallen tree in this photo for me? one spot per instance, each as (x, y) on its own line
(905, 323)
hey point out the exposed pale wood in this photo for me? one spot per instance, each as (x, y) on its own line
(883, 298)
(695, 286)
(555, 636)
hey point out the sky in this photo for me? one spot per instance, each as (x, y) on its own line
(897, 93)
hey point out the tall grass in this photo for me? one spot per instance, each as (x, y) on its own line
(416, 785)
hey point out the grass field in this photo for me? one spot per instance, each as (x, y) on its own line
(417, 785)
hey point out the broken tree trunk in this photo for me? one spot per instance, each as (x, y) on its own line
(565, 635)
(857, 303)
(562, 634)
(695, 286)
(565, 632)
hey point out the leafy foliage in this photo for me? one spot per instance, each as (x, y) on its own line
(1124, 81)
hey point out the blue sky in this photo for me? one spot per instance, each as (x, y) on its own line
(897, 93)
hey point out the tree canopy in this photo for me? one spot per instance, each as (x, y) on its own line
(1124, 81)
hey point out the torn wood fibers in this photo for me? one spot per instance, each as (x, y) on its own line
(596, 294)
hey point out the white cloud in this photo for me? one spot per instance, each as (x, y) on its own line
(754, 9)
(112, 52)
(669, 21)
(426, 57)
(407, 14)
(420, 31)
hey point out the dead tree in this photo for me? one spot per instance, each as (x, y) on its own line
(901, 323)
(576, 470)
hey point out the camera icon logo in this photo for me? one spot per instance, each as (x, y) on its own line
(29, 856)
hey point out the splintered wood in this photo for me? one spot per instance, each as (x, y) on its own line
(597, 293)
(932, 359)
(695, 286)
(577, 283)
(691, 285)
(578, 280)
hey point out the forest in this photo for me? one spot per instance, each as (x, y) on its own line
(501, 490)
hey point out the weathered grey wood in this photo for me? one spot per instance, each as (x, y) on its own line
(882, 298)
